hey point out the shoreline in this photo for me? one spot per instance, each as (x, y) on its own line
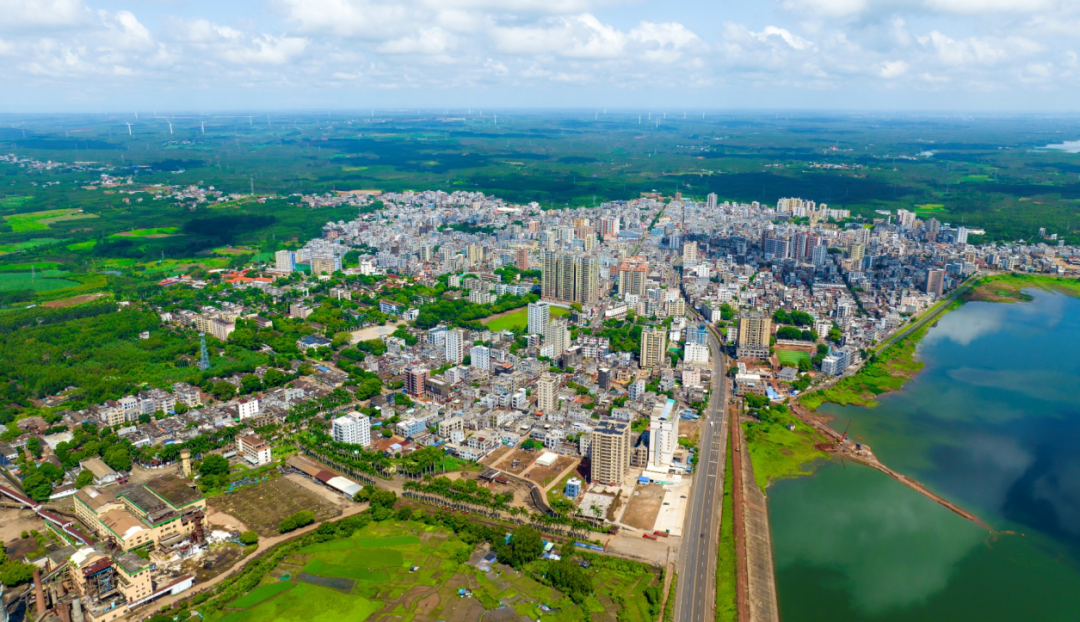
(896, 364)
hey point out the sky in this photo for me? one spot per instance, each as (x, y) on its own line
(872, 55)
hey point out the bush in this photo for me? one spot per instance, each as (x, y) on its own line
(249, 538)
(296, 521)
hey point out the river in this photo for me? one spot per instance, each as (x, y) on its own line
(992, 423)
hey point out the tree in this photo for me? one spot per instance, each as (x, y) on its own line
(118, 458)
(249, 537)
(223, 391)
(383, 498)
(524, 546)
(387, 432)
(33, 445)
(37, 486)
(250, 383)
(144, 419)
(213, 465)
(273, 377)
(571, 579)
(85, 478)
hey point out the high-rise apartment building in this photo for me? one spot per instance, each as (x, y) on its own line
(416, 381)
(633, 277)
(935, 282)
(568, 277)
(689, 253)
(426, 252)
(285, 261)
(325, 264)
(856, 253)
(755, 334)
(610, 449)
(608, 227)
(480, 358)
(546, 390)
(454, 351)
(653, 347)
(539, 316)
(521, 258)
(558, 336)
(475, 254)
(353, 428)
(711, 200)
(818, 255)
(663, 435)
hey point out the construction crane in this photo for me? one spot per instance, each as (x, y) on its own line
(843, 438)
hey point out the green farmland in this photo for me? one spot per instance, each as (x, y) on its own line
(370, 576)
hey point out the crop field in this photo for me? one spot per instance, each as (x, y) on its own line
(263, 506)
(151, 232)
(370, 576)
(791, 358)
(39, 221)
(518, 318)
(38, 283)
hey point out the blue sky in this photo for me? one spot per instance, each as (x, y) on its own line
(969, 55)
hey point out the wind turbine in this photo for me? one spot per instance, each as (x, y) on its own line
(249, 120)
(170, 126)
(129, 127)
(203, 124)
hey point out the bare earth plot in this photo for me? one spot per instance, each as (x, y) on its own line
(524, 458)
(263, 506)
(644, 506)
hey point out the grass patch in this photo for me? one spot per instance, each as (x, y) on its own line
(39, 221)
(377, 560)
(1009, 287)
(791, 358)
(519, 318)
(726, 607)
(308, 603)
(148, 232)
(776, 451)
(26, 280)
(883, 373)
(262, 593)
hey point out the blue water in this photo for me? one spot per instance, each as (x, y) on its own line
(991, 423)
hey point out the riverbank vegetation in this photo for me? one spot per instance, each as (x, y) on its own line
(883, 373)
(1009, 287)
(780, 443)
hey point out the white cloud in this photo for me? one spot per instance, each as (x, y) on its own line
(578, 36)
(429, 41)
(892, 69)
(485, 48)
(783, 34)
(34, 14)
(972, 7)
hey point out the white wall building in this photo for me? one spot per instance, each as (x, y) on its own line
(352, 428)
(480, 358)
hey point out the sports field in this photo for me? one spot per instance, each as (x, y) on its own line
(791, 358)
(518, 318)
(371, 576)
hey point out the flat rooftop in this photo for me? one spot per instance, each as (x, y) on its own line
(178, 492)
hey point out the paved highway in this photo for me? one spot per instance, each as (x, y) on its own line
(696, 597)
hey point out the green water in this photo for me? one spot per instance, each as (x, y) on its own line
(993, 424)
